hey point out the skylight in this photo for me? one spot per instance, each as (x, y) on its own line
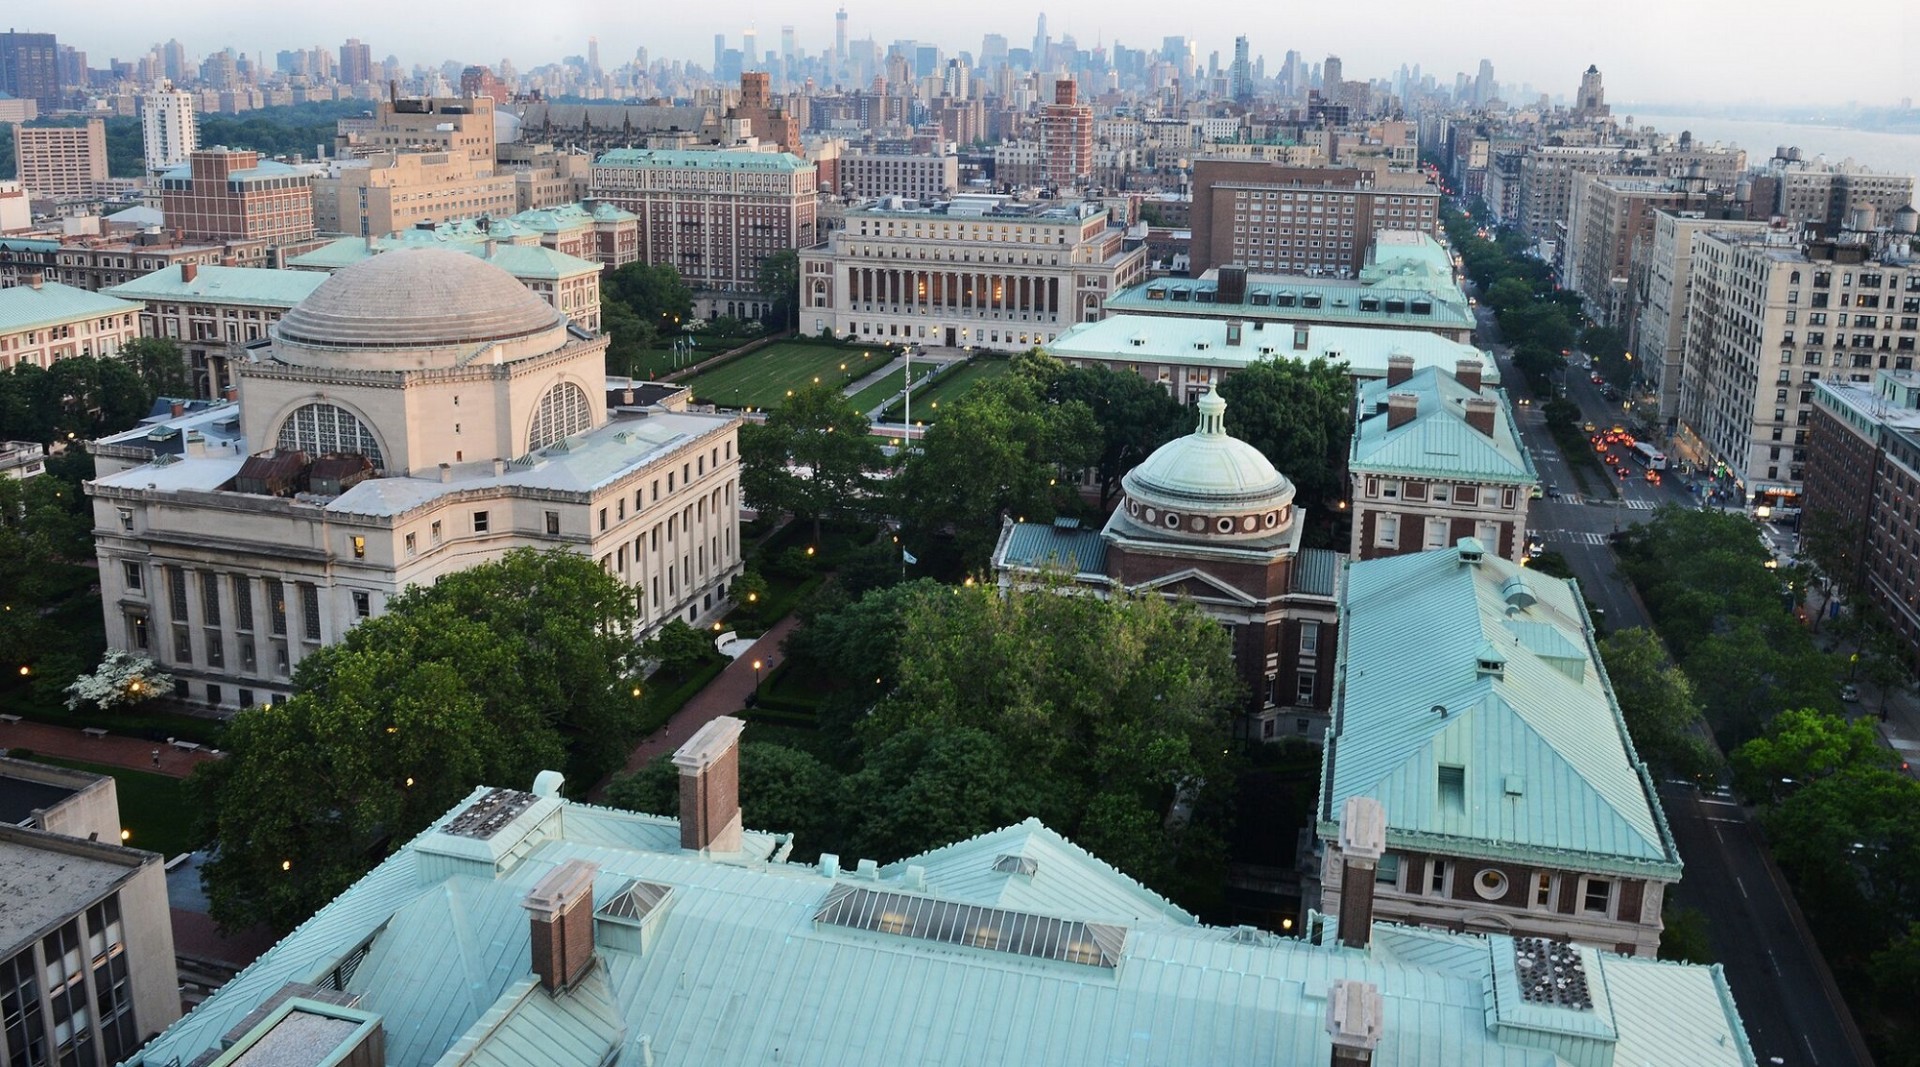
(948, 923)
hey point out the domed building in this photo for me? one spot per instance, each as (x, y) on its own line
(1208, 519)
(418, 413)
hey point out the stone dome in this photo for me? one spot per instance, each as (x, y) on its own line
(417, 309)
(1209, 483)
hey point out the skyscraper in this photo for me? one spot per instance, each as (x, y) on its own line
(1040, 43)
(593, 59)
(1483, 83)
(29, 67)
(840, 36)
(169, 127)
(1592, 101)
(356, 62)
(1330, 77)
(1241, 75)
(750, 49)
(788, 48)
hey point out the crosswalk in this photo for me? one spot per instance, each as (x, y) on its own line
(1573, 537)
(1640, 505)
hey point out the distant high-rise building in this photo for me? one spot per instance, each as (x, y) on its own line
(1241, 76)
(1331, 77)
(481, 81)
(225, 194)
(170, 129)
(1040, 43)
(1592, 101)
(1066, 137)
(593, 58)
(30, 67)
(1483, 83)
(750, 48)
(840, 36)
(173, 61)
(719, 51)
(356, 62)
(789, 48)
(61, 162)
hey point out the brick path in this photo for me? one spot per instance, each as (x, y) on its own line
(726, 694)
(133, 753)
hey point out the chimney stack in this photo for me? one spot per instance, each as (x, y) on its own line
(1399, 368)
(1467, 373)
(1231, 287)
(1401, 408)
(189, 271)
(710, 787)
(1480, 414)
(1363, 840)
(1354, 1019)
(561, 909)
(177, 408)
(35, 279)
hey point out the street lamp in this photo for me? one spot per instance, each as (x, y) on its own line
(756, 676)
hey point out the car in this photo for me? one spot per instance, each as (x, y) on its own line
(1553, 492)
(1589, 426)
(1525, 400)
(1596, 379)
(1535, 546)
(1600, 446)
(1622, 472)
(1653, 477)
(1535, 493)
(1850, 693)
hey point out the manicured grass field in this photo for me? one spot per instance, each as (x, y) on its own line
(763, 379)
(951, 385)
(155, 809)
(882, 391)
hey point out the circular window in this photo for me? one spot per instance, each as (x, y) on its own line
(1133, 508)
(1151, 515)
(1490, 884)
(1224, 525)
(1249, 523)
(1173, 521)
(1199, 524)
(1272, 519)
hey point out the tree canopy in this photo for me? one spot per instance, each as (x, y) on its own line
(655, 295)
(812, 457)
(1657, 701)
(487, 677)
(1300, 416)
(780, 284)
(1134, 416)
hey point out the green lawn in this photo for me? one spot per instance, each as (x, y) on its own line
(881, 391)
(951, 385)
(763, 379)
(155, 809)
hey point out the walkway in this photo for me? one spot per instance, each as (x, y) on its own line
(133, 753)
(726, 694)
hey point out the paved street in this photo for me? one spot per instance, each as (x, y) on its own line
(1783, 987)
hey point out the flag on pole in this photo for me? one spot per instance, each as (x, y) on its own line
(907, 556)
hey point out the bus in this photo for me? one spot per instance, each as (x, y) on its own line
(1649, 457)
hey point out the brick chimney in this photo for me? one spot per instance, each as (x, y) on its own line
(35, 279)
(710, 787)
(1399, 368)
(189, 271)
(1355, 1013)
(561, 910)
(1363, 840)
(1467, 373)
(1231, 286)
(1401, 408)
(1480, 414)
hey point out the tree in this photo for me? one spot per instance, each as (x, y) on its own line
(160, 364)
(782, 789)
(928, 786)
(748, 592)
(811, 457)
(1657, 701)
(1803, 745)
(1509, 293)
(780, 284)
(630, 338)
(996, 453)
(655, 294)
(1300, 416)
(1135, 417)
(122, 680)
(679, 649)
(1851, 844)
(1753, 670)
(489, 676)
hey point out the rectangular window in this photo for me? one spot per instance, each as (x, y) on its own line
(1303, 688)
(413, 546)
(359, 548)
(177, 593)
(481, 521)
(277, 605)
(1387, 871)
(477, 519)
(1598, 896)
(246, 654)
(553, 524)
(1453, 788)
(216, 654)
(1438, 873)
(1386, 531)
(1437, 532)
(435, 531)
(131, 571)
(362, 604)
(1542, 890)
(310, 611)
(209, 599)
(126, 518)
(1309, 638)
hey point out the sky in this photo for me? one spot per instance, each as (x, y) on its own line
(1650, 51)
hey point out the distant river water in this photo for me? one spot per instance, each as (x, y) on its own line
(1896, 152)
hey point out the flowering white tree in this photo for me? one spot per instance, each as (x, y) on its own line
(121, 679)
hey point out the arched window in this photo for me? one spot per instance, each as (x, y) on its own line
(320, 429)
(563, 412)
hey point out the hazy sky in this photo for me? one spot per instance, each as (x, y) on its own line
(1650, 50)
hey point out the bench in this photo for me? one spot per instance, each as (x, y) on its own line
(94, 732)
(186, 746)
(9, 719)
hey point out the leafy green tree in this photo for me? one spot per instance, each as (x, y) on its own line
(1135, 417)
(1804, 745)
(160, 364)
(1657, 701)
(1851, 844)
(996, 453)
(679, 649)
(1755, 669)
(122, 680)
(1684, 938)
(780, 283)
(630, 338)
(1508, 293)
(656, 295)
(1545, 324)
(1300, 416)
(748, 592)
(782, 790)
(928, 786)
(812, 456)
(487, 677)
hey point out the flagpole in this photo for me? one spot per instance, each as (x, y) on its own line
(906, 435)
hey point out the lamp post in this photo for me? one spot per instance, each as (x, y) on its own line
(756, 677)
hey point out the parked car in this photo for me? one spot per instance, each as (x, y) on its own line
(1553, 492)
(1850, 693)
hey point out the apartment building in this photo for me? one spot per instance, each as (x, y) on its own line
(1609, 232)
(1436, 456)
(61, 162)
(977, 271)
(169, 127)
(1863, 480)
(384, 193)
(213, 313)
(1657, 333)
(1770, 316)
(452, 124)
(224, 194)
(715, 216)
(923, 177)
(42, 321)
(1066, 137)
(1301, 220)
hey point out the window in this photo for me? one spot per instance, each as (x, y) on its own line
(1597, 897)
(481, 522)
(553, 524)
(1490, 884)
(132, 572)
(603, 518)
(563, 412)
(359, 548)
(1439, 877)
(310, 611)
(126, 518)
(1387, 871)
(1542, 891)
(1453, 788)
(1386, 531)
(325, 429)
(435, 531)
(1309, 638)
(362, 604)
(413, 546)
(1437, 533)
(1303, 688)
(277, 605)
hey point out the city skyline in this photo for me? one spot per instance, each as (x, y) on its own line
(1698, 58)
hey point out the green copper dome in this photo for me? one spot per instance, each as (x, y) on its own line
(1207, 470)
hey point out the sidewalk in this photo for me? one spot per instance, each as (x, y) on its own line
(726, 694)
(133, 753)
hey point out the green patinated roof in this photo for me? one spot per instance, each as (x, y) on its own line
(718, 159)
(521, 261)
(253, 286)
(1415, 631)
(1036, 545)
(1437, 441)
(25, 307)
(1317, 571)
(751, 965)
(1202, 342)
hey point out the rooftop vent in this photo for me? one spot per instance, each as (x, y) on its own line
(1551, 974)
(1470, 549)
(1518, 593)
(629, 920)
(1017, 865)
